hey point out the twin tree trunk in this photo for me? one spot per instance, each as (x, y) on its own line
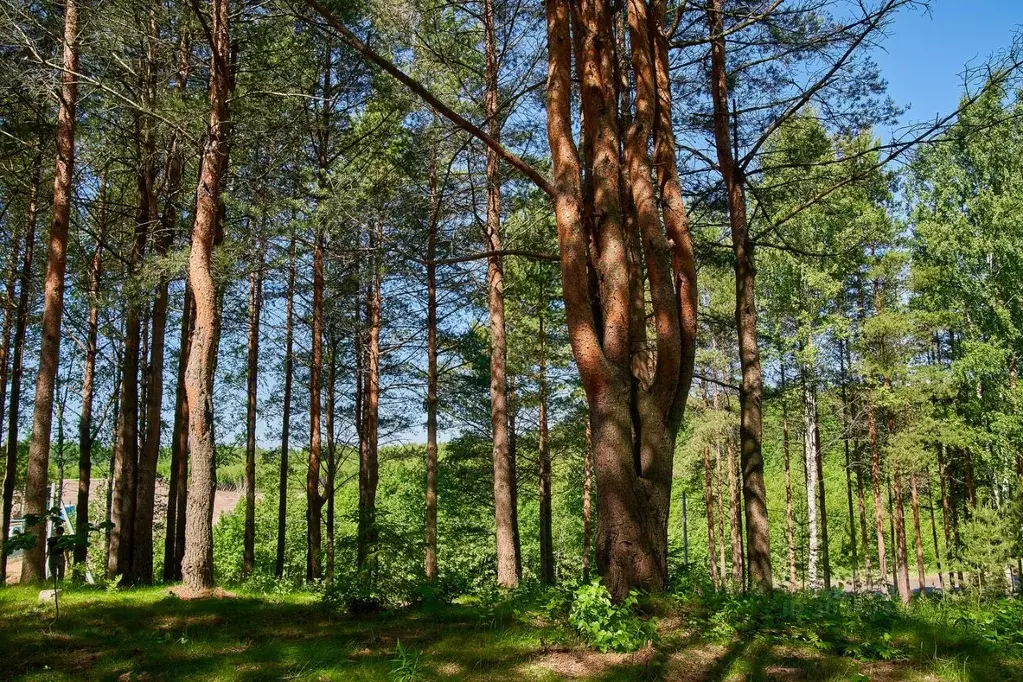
(33, 565)
(197, 566)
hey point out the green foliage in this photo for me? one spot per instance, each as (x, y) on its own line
(608, 626)
(406, 665)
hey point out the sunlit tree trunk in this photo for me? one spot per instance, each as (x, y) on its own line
(197, 566)
(708, 502)
(902, 578)
(810, 452)
(587, 513)
(18, 357)
(33, 563)
(509, 563)
(751, 392)
(934, 531)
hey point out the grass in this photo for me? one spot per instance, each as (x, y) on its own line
(147, 634)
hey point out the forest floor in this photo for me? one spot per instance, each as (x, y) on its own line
(149, 634)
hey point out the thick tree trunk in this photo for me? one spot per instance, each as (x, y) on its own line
(177, 496)
(430, 559)
(751, 394)
(17, 359)
(509, 562)
(252, 389)
(369, 471)
(282, 503)
(314, 500)
(33, 564)
(197, 566)
(85, 437)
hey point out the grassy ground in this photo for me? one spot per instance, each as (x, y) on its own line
(148, 634)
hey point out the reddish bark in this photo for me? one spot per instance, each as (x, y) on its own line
(33, 564)
(282, 504)
(197, 566)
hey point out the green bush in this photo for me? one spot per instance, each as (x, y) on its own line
(608, 626)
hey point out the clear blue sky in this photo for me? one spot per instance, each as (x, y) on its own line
(926, 52)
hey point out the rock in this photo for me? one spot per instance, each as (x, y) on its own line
(49, 595)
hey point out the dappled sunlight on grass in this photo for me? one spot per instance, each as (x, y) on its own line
(146, 634)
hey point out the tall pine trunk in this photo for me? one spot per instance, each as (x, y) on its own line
(197, 566)
(314, 500)
(509, 562)
(85, 436)
(289, 339)
(252, 389)
(430, 558)
(751, 389)
(18, 357)
(918, 538)
(33, 564)
(177, 495)
(546, 526)
(790, 525)
(369, 472)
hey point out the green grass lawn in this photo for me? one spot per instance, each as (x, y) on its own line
(147, 634)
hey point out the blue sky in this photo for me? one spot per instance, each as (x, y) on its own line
(925, 54)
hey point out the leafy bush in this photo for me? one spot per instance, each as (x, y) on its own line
(608, 626)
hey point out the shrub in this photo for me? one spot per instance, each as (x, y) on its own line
(608, 626)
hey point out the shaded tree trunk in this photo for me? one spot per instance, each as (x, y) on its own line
(329, 483)
(751, 391)
(708, 502)
(197, 568)
(546, 529)
(934, 531)
(85, 435)
(282, 502)
(252, 389)
(915, 502)
(902, 579)
(177, 495)
(33, 564)
(18, 358)
(314, 500)
(369, 471)
(848, 466)
(430, 559)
